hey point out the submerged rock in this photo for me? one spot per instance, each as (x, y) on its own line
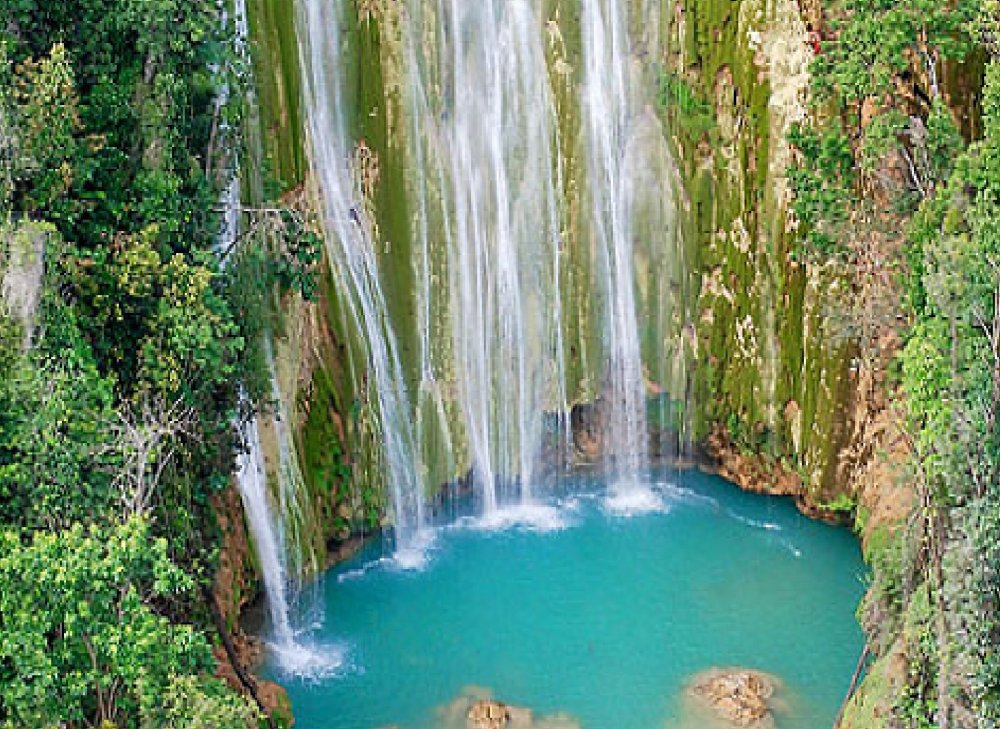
(488, 714)
(738, 696)
(476, 708)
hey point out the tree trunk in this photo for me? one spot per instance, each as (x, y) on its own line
(248, 681)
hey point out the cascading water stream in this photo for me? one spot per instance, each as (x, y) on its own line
(484, 150)
(293, 498)
(274, 537)
(294, 657)
(251, 471)
(608, 122)
(251, 475)
(350, 249)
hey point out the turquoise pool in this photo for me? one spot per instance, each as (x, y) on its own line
(577, 611)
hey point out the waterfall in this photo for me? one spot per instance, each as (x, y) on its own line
(350, 246)
(251, 471)
(275, 532)
(475, 134)
(251, 475)
(483, 142)
(293, 499)
(609, 125)
(293, 656)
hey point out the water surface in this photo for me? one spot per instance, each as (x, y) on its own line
(583, 611)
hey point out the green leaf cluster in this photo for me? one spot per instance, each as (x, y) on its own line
(80, 639)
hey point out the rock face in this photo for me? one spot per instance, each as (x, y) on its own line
(738, 696)
(586, 421)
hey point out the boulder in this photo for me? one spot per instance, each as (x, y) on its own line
(738, 696)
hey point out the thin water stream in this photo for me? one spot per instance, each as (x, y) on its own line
(350, 246)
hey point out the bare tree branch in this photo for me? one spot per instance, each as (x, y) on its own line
(148, 435)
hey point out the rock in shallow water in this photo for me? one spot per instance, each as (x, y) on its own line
(738, 696)
(488, 714)
(475, 708)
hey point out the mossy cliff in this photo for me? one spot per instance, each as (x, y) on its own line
(774, 389)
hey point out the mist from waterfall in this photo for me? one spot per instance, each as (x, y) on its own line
(350, 249)
(484, 147)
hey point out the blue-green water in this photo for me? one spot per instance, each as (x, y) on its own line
(603, 619)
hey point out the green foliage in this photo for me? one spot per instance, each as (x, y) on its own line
(301, 250)
(951, 378)
(79, 638)
(166, 330)
(916, 705)
(982, 526)
(874, 44)
(878, 71)
(111, 133)
(56, 454)
(193, 702)
(694, 114)
(948, 361)
(889, 156)
(822, 178)
(8, 132)
(885, 555)
(11, 337)
(48, 121)
(249, 289)
(144, 96)
(927, 380)
(843, 503)
(279, 254)
(322, 454)
(943, 142)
